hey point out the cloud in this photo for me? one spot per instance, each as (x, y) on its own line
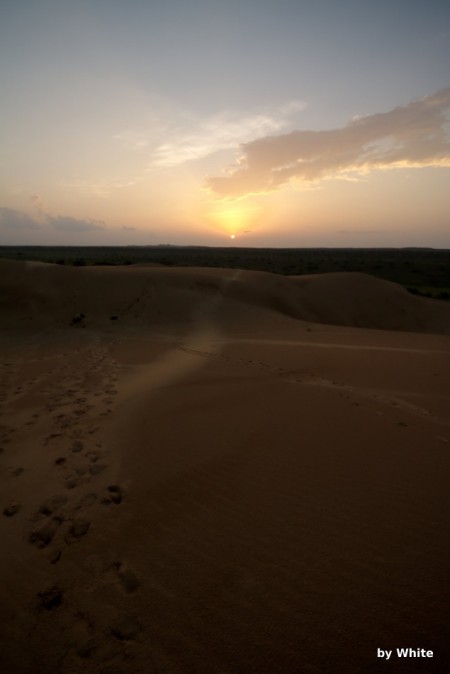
(132, 140)
(38, 203)
(11, 219)
(14, 220)
(414, 135)
(101, 188)
(359, 231)
(68, 224)
(219, 132)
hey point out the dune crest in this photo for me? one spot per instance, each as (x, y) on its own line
(43, 293)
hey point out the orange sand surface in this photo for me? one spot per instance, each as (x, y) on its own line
(221, 471)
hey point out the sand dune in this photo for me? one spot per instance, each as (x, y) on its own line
(44, 293)
(220, 471)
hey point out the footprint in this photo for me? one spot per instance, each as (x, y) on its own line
(44, 536)
(115, 495)
(97, 468)
(78, 529)
(51, 598)
(83, 639)
(52, 505)
(54, 556)
(79, 413)
(127, 578)
(52, 436)
(71, 482)
(11, 510)
(77, 446)
(87, 501)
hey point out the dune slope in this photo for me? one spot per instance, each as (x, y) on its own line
(42, 293)
(220, 471)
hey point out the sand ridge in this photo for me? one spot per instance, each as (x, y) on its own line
(212, 481)
(41, 293)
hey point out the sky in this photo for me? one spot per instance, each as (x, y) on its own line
(205, 122)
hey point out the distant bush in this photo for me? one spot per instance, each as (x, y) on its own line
(433, 293)
(420, 270)
(111, 262)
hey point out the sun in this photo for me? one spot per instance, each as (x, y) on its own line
(233, 220)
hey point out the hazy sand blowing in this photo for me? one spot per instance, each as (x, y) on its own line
(198, 476)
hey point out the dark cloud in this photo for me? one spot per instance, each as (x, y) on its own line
(414, 135)
(14, 220)
(10, 219)
(358, 231)
(68, 224)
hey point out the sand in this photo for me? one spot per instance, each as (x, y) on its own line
(220, 471)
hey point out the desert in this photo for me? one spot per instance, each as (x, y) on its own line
(220, 470)
(224, 337)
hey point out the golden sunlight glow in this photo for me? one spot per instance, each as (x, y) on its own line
(233, 220)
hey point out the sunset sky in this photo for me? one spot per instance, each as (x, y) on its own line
(282, 123)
